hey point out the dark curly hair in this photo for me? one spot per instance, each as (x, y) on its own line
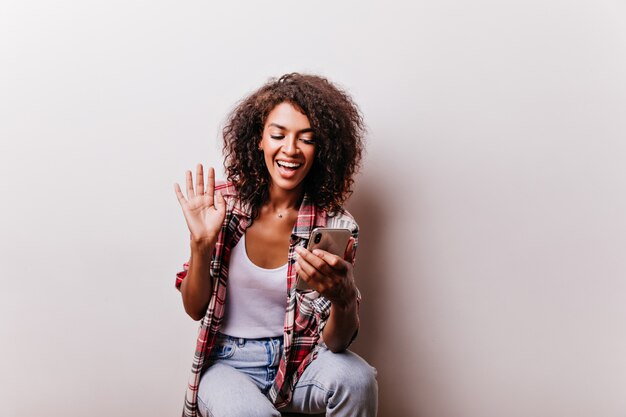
(338, 129)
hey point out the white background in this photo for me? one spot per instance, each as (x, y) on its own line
(492, 200)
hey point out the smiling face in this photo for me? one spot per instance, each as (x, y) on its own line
(288, 147)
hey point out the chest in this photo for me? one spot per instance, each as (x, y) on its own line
(267, 243)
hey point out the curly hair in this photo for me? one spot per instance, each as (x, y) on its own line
(338, 129)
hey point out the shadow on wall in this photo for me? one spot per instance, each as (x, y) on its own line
(374, 343)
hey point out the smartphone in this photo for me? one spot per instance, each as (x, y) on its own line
(334, 241)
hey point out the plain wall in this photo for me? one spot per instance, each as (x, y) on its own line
(492, 199)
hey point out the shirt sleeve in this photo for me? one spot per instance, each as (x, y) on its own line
(180, 276)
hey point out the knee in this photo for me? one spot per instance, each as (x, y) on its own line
(356, 388)
(361, 378)
(351, 373)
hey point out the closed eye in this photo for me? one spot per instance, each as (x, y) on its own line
(305, 140)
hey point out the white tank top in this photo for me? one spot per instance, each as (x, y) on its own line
(256, 297)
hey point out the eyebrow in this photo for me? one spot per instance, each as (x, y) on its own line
(308, 129)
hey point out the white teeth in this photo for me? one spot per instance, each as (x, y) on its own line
(288, 164)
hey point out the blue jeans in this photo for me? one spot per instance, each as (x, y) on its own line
(339, 384)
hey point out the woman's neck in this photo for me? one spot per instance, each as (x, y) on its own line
(282, 200)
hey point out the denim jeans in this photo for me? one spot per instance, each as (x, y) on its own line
(339, 384)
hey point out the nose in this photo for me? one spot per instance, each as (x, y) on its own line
(290, 146)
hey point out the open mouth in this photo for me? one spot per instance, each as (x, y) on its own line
(289, 165)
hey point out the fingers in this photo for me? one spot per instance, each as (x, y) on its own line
(189, 180)
(179, 194)
(210, 189)
(350, 251)
(308, 261)
(199, 179)
(310, 275)
(307, 266)
(333, 261)
(322, 271)
(322, 261)
(312, 284)
(200, 189)
(211, 182)
(305, 270)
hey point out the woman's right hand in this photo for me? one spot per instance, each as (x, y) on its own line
(204, 212)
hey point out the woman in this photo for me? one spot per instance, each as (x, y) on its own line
(291, 150)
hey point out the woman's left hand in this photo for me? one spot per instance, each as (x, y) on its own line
(328, 274)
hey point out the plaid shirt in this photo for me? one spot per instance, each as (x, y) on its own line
(306, 313)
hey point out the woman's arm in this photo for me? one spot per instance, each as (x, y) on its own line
(204, 213)
(197, 286)
(333, 278)
(341, 326)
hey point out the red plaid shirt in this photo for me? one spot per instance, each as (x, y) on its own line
(306, 312)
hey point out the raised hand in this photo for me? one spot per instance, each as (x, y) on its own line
(204, 212)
